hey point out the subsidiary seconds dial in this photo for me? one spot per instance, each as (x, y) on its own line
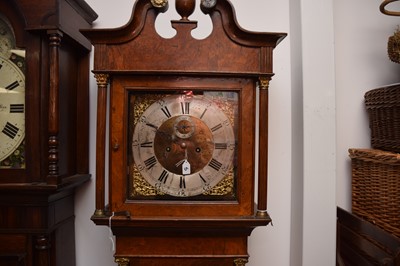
(183, 145)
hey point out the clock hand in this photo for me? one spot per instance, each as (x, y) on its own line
(4, 90)
(186, 165)
(183, 146)
(180, 162)
(18, 52)
(186, 169)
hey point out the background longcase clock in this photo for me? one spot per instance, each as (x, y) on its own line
(44, 78)
(181, 136)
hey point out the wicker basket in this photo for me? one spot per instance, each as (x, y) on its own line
(376, 187)
(393, 47)
(383, 107)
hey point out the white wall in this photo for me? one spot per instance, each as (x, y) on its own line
(318, 115)
(335, 51)
(362, 64)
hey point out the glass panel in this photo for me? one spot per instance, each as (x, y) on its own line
(183, 146)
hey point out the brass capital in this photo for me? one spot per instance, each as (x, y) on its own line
(264, 83)
(159, 3)
(240, 261)
(122, 261)
(101, 79)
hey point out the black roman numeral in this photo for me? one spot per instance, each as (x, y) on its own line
(146, 144)
(185, 107)
(204, 112)
(12, 85)
(221, 146)
(17, 108)
(163, 177)
(215, 128)
(182, 183)
(215, 164)
(166, 111)
(151, 125)
(10, 130)
(150, 162)
(202, 179)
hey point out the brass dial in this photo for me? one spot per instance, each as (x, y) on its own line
(183, 145)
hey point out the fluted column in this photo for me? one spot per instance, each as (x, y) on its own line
(102, 83)
(263, 148)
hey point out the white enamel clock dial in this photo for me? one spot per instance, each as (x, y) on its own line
(183, 145)
(12, 107)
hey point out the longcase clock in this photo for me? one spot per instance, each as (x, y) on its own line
(44, 82)
(182, 119)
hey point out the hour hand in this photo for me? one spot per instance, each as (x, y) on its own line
(180, 162)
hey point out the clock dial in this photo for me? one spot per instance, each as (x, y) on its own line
(7, 40)
(183, 145)
(12, 107)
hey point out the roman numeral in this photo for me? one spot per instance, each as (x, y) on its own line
(221, 146)
(166, 111)
(215, 128)
(204, 112)
(151, 125)
(163, 177)
(215, 164)
(202, 179)
(206, 185)
(10, 130)
(182, 183)
(17, 108)
(185, 108)
(146, 144)
(12, 85)
(150, 162)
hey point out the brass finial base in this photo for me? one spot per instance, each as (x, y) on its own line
(262, 214)
(99, 213)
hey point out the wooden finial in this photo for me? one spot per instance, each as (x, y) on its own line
(185, 8)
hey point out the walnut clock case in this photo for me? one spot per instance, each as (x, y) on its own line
(181, 136)
(44, 82)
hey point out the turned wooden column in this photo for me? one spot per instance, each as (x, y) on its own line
(42, 250)
(53, 126)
